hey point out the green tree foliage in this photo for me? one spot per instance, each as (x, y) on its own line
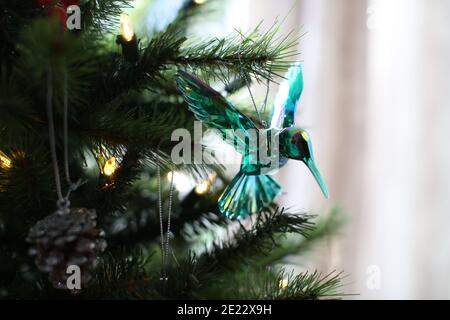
(128, 110)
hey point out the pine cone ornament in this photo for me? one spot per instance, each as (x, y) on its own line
(64, 239)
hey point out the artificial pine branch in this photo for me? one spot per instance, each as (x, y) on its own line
(262, 55)
(254, 54)
(248, 244)
(130, 109)
(122, 275)
(139, 225)
(191, 11)
(125, 275)
(186, 278)
(15, 15)
(102, 16)
(263, 284)
(328, 225)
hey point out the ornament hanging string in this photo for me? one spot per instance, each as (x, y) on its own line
(263, 107)
(66, 134)
(248, 84)
(63, 202)
(51, 133)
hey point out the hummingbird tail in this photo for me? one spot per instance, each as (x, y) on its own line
(248, 194)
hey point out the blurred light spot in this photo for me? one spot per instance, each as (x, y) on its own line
(110, 167)
(204, 186)
(126, 27)
(283, 283)
(5, 162)
(181, 181)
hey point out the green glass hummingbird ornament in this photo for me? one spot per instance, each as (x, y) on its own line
(253, 189)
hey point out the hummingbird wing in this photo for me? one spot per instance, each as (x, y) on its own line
(286, 100)
(210, 107)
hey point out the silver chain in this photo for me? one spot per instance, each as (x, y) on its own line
(165, 240)
(63, 202)
(169, 214)
(161, 227)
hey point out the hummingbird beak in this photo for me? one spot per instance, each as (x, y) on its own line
(312, 167)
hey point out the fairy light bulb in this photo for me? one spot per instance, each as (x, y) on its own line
(110, 167)
(127, 39)
(283, 283)
(204, 186)
(199, 1)
(126, 27)
(5, 162)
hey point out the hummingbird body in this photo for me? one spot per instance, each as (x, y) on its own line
(262, 162)
(261, 152)
(264, 150)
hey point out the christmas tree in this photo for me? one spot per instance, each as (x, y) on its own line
(88, 186)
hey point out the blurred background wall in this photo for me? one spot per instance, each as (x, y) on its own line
(376, 102)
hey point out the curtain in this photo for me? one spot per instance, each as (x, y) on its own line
(376, 105)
